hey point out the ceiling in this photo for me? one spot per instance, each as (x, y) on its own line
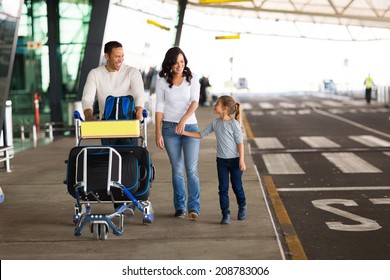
(343, 20)
(367, 13)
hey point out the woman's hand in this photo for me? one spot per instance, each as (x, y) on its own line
(160, 141)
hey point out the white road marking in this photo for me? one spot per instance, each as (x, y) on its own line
(266, 105)
(336, 111)
(246, 106)
(268, 143)
(289, 112)
(332, 103)
(281, 164)
(312, 104)
(370, 141)
(357, 102)
(335, 189)
(353, 123)
(359, 223)
(350, 163)
(287, 105)
(256, 113)
(319, 142)
(304, 112)
(382, 200)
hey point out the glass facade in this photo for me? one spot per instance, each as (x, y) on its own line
(31, 75)
(9, 18)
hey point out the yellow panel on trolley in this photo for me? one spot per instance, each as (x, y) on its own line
(110, 129)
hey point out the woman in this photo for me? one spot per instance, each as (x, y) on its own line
(177, 92)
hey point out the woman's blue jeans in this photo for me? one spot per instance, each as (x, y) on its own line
(176, 146)
(225, 167)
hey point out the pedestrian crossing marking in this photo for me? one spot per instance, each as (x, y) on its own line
(357, 102)
(312, 104)
(287, 105)
(281, 164)
(304, 111)
(266, 105)
(246, 106)
(370, 141)
(257, 113)
(350, 163)
(347, 162)
(289, 112)
(319, 142)
(336, 111)
(332, 103)
(268, 143)
(382, 200)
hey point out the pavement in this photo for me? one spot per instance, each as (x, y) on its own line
(36, 215)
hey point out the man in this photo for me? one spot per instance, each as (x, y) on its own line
(369, 84)
(113, 78)
(204, 84)
(117, 79)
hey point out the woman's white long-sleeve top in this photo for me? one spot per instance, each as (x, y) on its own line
(174, 102)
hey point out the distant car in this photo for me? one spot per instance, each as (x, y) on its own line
(242, 83)
(329, 86)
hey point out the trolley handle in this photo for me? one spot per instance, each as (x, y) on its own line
(77, 116)
(145, 113)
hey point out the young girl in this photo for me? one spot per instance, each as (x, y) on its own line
(230, 154)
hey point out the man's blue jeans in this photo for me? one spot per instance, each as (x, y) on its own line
(225, 167)
(176, 146)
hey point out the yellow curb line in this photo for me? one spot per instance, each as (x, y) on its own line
(248, 129)
(292, 240)
(293, 243)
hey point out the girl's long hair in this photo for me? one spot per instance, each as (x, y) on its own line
(232, 105)
(169, 60)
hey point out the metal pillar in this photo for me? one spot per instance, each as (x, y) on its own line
(55, 65)
(94, 43)
(179, 27)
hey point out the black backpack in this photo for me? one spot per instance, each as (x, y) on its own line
(119, 108)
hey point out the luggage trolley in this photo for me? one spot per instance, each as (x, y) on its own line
(114, 174)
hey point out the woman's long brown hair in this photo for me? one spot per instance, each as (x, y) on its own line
(170, 60)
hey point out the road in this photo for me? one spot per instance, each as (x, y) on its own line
(324, 162)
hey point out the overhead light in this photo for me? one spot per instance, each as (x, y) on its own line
(149, 21)
(220, 1)
(236, 36)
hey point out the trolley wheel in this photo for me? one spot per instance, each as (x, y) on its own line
(76, 219)
(103, 231)
(146, 221)
(95, 231)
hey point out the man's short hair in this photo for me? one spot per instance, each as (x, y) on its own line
(111, 45)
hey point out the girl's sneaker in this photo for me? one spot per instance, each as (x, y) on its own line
(225, 219)
(241, 213)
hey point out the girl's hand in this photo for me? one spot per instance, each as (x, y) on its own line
(179, 129)
(242, 166)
